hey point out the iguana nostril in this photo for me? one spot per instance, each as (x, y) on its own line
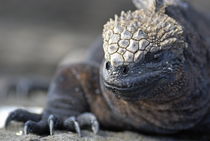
(108, 65)
(125, 69)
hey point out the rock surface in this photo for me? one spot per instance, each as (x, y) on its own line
(14, 131)
(87, 136)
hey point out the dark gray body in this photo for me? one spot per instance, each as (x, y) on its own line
(187, 112)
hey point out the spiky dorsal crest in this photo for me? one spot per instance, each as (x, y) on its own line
(157, 5)
(151, 5)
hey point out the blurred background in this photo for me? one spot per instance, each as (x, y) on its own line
(37, 35)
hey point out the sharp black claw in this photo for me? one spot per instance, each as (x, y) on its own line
(72, 123)
(77, 128)
(25, 129)
(95, 126)
(89, 119)
(51, 124)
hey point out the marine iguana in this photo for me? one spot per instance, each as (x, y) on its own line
(154, 77)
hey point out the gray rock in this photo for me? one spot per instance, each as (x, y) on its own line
(87, 136)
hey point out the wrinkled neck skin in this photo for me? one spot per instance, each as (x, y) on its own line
(168, 108)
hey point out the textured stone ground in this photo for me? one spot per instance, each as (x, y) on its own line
(87, 136)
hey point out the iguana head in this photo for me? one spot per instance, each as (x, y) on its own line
(143, 51)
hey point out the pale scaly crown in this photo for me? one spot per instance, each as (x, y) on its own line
(129, 37)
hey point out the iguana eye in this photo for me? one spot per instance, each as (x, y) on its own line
(125, 69)
(153, 57)
(108, 65)
(157, 56)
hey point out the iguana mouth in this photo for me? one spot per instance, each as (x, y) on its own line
(130, 93)
(136, 86)
(125, 89)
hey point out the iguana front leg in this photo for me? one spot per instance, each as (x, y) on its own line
(73, 101)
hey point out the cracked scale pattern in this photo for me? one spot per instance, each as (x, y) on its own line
(128, 37)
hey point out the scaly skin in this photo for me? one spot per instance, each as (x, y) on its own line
(154, 77)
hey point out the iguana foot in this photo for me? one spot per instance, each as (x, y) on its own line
(75, 123)
(34, 123)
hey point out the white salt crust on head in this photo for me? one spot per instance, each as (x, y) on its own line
(130, 36)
